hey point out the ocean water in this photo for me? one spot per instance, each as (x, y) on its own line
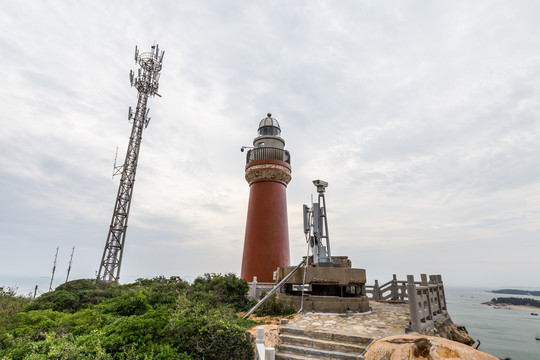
(26, 285)
(504, 333)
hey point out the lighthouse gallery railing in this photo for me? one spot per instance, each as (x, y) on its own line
(268, 153)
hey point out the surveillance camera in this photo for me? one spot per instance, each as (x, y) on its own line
(320, 183)
(242, 149)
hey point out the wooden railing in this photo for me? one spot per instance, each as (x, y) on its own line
(427, 301)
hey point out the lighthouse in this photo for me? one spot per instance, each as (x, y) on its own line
(268, 171)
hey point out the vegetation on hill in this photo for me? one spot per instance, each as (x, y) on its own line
(150, 319)
(273, 308)
(516, 301)
(516, 292)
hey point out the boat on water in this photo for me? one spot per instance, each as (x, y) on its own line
(534, 314)
(537, 335)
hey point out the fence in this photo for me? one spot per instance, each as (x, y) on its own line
(257, 288)
(392, 290)
(268, 153)
(427, 301)
(262, 352)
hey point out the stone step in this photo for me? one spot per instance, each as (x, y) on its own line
(320, 344)
(290, 356)
(325, 335)
(310, 353)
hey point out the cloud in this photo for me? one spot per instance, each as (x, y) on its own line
(423, 119)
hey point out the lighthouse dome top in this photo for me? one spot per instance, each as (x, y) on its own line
(269, 126)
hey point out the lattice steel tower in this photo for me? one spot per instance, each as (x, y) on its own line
(146, 82)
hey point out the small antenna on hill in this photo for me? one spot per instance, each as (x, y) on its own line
(54, 268)
(70, 261)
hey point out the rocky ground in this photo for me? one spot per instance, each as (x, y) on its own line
(386, 319)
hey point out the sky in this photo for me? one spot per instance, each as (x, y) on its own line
(422, 116)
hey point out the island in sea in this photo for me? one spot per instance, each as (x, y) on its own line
(516, 292)
(515, 301)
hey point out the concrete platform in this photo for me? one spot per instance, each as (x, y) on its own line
(325, 304)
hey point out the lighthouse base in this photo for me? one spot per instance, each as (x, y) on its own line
(325, 304)
(326, 289)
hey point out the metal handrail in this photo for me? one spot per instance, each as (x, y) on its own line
(274, 289)
(268, 153)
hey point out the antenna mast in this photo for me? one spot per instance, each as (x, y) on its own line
(54, 268)
(316, 227)
(146, 81)
(70, 261)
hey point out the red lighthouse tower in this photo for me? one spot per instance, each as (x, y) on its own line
(268, 171)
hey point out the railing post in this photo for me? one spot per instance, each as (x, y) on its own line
(394, 289)
(253, 289)
(428, 293)
(376, 294)
(269, 353)
(259, 344)
(413, 304)
(437, 292)
(443, 301)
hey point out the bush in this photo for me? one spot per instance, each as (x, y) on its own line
(66, 347)
(137, 333)
(10, 304)
(35, 324)
(132, 303)
(151, 319)
(161, 291)
(273, 308)
(226, 289)
(75, 295)
(210, 332)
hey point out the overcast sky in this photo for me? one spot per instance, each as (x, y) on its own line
(423, 116)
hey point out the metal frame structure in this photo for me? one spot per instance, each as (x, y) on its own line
(146, 81)
(316, 227)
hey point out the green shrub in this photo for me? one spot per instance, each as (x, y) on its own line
(273, 308)
(35, 324)
(212, 333)
(132, 303)
(161, 291)
(139, 332)
(75, 295)
(10, 304)
(151, 319)
(226, 289)
(65, 347)
(85, 321)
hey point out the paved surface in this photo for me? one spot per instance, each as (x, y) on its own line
(385, 319)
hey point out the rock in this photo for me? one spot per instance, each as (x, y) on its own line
(448, 330)
(421, 347)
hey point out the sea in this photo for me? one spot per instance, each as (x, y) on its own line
(507, 333)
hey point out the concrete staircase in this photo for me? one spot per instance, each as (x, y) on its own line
(297, 343)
